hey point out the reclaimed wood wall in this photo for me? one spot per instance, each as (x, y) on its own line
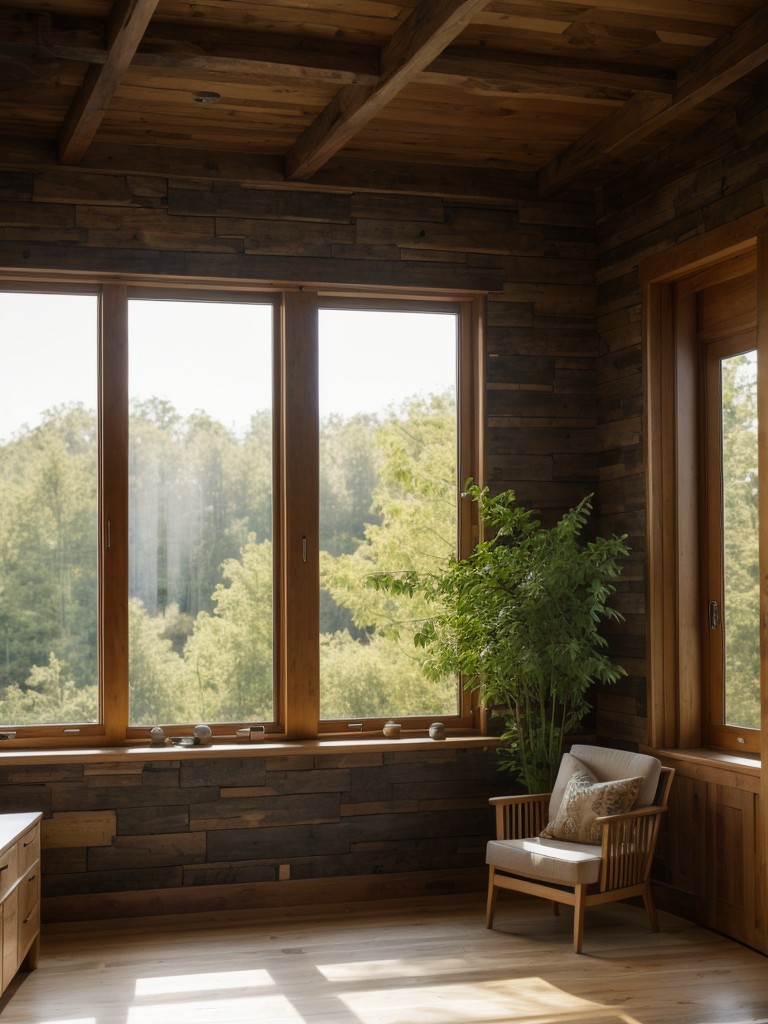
(111, 828)
(709, 181)
(535, 260)
(168, 835)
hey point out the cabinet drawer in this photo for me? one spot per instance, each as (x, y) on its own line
(29, 926)
(29, 891)
(29, 848)
(9, 869)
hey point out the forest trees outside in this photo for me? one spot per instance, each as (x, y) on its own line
(200, 623)
(201, 569)
(741, 598)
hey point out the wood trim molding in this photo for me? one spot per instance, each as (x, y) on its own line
(331, 746)
(705, 250)
(762, 384)
(302, 894)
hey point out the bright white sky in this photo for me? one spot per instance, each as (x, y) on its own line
(214, 357)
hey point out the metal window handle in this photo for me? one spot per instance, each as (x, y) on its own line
(714, 615)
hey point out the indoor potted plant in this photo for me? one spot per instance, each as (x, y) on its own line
(519, 619)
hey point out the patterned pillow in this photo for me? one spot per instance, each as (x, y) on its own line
(586, 799)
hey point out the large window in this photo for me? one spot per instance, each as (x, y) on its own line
(195, 486)
(706, 389)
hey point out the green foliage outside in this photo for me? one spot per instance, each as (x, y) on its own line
(413, 527)
(200, 613)
(519, 618)
(741, 618)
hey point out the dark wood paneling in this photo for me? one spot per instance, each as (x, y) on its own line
(159, 825)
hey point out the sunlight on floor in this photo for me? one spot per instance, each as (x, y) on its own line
(69, 1020)
(362, 994)
(221, 1010)
(370, 970)
(529, 999)
(214, 982)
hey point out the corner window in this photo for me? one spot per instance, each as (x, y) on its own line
(704, 518)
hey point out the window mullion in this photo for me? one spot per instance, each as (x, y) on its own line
(299, 498)
(113, 510)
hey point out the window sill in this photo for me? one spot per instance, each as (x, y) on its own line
(709, 757)
(259, 748)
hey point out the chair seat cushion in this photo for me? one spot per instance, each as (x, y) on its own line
(550, 860)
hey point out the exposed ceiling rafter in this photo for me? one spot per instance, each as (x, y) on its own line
(557, 95)
(724, 62)
(431, 26)
(127, 24)
(494, 72)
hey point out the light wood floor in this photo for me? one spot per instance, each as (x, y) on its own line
(396, 963)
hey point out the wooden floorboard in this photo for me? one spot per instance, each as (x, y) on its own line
(401, 962)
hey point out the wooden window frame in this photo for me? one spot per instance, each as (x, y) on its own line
(295, 494)
(675, 486)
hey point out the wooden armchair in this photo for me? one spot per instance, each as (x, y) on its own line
(581, 874)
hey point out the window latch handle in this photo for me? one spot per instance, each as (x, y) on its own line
(714, 615)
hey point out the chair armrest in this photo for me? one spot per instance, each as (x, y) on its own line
(628, 846)
(518, 798)
(640, 812)
(521, 816)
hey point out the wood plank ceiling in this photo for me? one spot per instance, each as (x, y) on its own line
(477, 97)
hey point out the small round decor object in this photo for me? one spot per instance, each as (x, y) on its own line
(156, 737)
(202, 734)
(437, 731)
(391, 730)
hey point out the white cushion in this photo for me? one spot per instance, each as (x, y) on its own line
(550, 860)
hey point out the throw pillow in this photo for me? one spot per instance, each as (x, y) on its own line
(586, 799)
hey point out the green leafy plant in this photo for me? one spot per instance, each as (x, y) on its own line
(519, 619)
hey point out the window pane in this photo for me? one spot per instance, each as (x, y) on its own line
(388, 501)
(200, 512)
(741, 612)
(48, 509)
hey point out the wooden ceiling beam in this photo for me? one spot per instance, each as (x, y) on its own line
(266, 172)
(724, 62)
(427, 31)
(175, 47)
(127, 24)
(513, 74)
